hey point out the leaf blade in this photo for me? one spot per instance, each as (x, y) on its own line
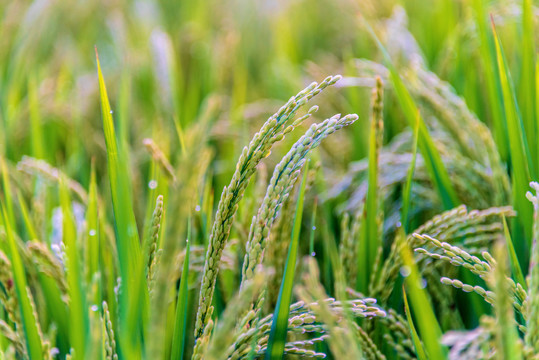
(519, 152)
(279, 326)
(420, 352)
(30, 323)
(429, 329)
(179, 337)
(433, 161)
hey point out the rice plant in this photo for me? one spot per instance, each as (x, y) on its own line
(165, 195)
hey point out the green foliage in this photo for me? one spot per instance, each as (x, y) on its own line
(104, 177)
(279, 327)
(427, 323)
(33, 341)
(521, 161)
(420, 352)
(178, 341)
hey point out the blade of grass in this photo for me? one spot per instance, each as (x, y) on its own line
(207, 210)
(429, 329)
(26, 217)
(407, 191)
(78, 314)
(8, 197)
(57, 309)
(92, 227)
(527, 76)
(515, 265)
(128, 243)
(325, 224)
(30, 322)
(178, 340)
(134, 297)
(515, 126)
(519, 152)
(279, 326)
(179, 131)
(433, 161)
(340, 284)
(313, 228)
(419, 351)
(490, 76)
(123, 113)
(506, 332)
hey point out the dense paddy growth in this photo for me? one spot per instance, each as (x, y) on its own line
(233, 179)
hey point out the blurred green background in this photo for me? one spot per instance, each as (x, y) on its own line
(172, 65)
(165, 60)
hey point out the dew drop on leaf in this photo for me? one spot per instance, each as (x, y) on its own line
(405, 271)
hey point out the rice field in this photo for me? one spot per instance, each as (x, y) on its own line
(269, 179)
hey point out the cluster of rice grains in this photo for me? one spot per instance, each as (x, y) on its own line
(219, 297)
(514, 301)
(285, 175)
(363, 327)
(48, 268)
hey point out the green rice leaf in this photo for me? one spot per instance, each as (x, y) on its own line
(490, 76)
(134, 297)
(29, 321)
(313, 228)
(433, 161)
(429, 329)
(57, 309)
(78, 314)
(92, 229)
(279, 326)
(515, 265)
(527, 80)
(8, 194)
(519, 153)
(178, 340)
(26, 217)
(507, 345)
(419, 351)
(407, 191)
(127, 234)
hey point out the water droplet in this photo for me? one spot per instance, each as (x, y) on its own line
(313, 254)
(111, 111)
(423, 283)
(118, 286)
(197, 208)
(405, 271)
(314, 227)
(94, 308)
(152, 184)
(92, 232)
(131, 231)
(399, 224)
